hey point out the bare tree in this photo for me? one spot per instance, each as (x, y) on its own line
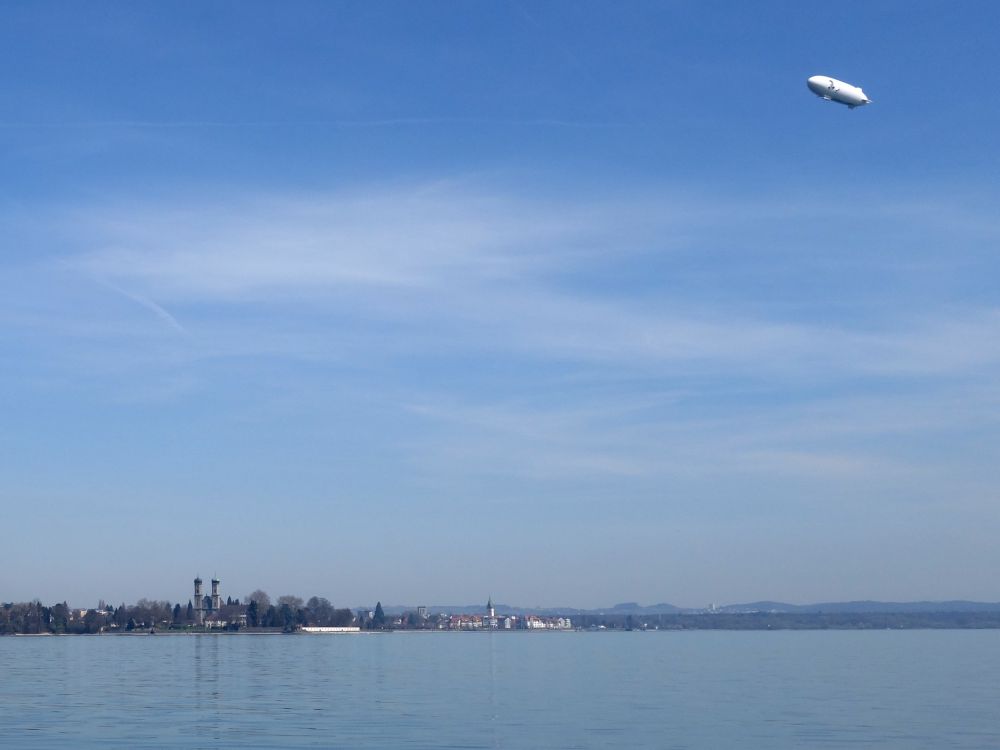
(294, 602)
(262, 599)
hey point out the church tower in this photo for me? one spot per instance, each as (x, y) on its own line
(199, 604)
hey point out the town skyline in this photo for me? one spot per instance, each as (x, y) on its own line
(291, 614)
(213, 600)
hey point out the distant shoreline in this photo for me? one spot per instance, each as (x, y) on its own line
(759, 621)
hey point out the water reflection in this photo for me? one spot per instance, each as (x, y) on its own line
(205, 669)
(494, 709)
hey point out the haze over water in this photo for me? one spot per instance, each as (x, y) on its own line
(912, 689)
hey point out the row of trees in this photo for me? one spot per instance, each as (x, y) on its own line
(291, 612)
(34, 617)
(288, 613)
(29, 617)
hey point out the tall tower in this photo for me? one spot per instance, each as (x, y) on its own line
(216, 599)
(199, 611)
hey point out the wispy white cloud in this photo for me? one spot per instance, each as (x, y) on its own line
(678, 436)
(453, 274)
(470, 266)
(266, 246)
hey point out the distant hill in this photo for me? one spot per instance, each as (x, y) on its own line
(663, 608)
(864, 607)
(653, 609)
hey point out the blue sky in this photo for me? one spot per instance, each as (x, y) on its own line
(566, 303)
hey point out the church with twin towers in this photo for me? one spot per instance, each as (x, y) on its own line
(204, 604)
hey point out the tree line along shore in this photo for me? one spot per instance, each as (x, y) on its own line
(257, 613)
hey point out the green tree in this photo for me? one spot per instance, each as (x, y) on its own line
(378, 620)
(93, 622)
(319, 611)
(60, 618)
(286, 618)
(270, 618)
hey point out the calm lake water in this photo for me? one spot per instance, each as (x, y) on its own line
(886, 689)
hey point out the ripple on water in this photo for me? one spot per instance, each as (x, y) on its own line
(930, 689)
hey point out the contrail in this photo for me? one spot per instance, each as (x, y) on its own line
(149, 304)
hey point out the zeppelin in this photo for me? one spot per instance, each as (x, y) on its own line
(837, 91)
